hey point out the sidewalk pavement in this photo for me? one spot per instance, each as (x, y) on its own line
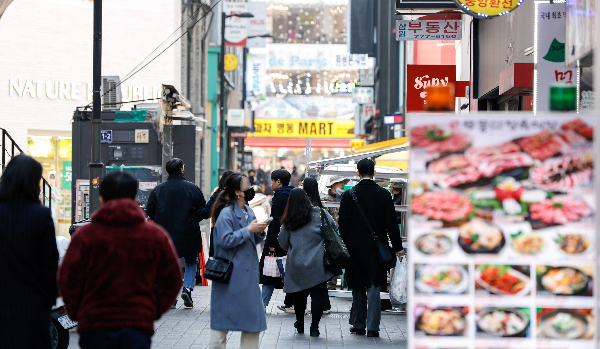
(184, 328)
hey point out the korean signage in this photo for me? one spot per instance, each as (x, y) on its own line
(503, 239)
(67, 174)
(419, 77)
(304, 128)
(350, 61)
(363, 95)
(366, 76)
(424, 4)
(488, 8)
(368, 111)
(428, 30)
(257, 26)
(236, 28)
(256, 74)
(550, 53)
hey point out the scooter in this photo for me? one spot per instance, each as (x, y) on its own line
(60, 323)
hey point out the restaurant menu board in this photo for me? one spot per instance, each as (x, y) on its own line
(502, 244)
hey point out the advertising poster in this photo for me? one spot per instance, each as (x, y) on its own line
(419, 77)
(502, 243)
(257, 26)
(236, 28)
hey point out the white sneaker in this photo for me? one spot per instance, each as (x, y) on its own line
(289, 310)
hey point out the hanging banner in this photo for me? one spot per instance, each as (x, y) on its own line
(428, 30)
(303, 128)
(550, 53)
(487, 8)
(581, 29)
(236, 29)
(257, 26)
(502, 231)
(256, 77)
(419, 77)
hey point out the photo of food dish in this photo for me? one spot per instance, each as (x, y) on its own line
(543, 145)
(503, 280)
(479, 236)
(440, 321)
(434, 243)
(502, 322)
(528, 243)
(580, 127)
(572, 243)
(441, 139)
(450, 207)
(444, 279)
(563, 173)
(565, 323)
(559, 210)
(565, 281)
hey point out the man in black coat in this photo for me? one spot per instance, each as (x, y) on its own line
(365, 275)
(280, 184)
(177, 205)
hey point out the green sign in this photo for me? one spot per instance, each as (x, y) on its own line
(67, 174)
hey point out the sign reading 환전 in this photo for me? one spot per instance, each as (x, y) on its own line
(304, 128)
(428, 30)
(487, 8)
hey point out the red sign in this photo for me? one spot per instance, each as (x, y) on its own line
(419, 77)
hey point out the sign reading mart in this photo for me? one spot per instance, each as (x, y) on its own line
(321, 128)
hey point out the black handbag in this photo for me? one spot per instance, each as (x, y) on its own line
(387, 256)
(336, 253)
(219, 269)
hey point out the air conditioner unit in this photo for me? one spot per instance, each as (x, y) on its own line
(112, 99)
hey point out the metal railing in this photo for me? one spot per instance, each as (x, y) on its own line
(8, 155)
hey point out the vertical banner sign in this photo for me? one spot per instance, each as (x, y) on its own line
(257, 26)
(256, 75)
(502, 231)
(67, 174)
(419, 77)
(550, 24)
(236, 29)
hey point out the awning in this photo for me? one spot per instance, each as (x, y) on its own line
(392, 143)
(327, 143)
(398, 160)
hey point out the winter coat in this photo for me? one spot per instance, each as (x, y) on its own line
(333, 211)
(305, 266)
(237, 305)
(119, 271)
(377, 204)
(28, 264)
(278, 204)
(175, 205)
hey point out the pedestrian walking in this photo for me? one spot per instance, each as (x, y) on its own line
(280, 180)
(206, 212)
(120, 273)
(305, 271)
(296, 178)
(28, 258)
(176, 205)
(237, 305)
(335, 185)
(365, 275)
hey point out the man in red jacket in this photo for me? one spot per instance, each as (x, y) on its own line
(120, 273)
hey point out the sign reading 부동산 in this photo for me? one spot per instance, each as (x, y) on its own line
(428, 30)
(502, 231)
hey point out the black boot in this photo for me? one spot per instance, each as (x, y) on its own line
(314, 331)
(299, 327)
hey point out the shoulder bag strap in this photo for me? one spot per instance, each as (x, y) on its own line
(362, 213)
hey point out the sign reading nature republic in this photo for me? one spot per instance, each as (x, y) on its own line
(502, 229)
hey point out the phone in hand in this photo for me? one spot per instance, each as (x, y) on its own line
(269, 220)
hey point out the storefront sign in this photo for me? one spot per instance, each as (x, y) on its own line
(230, 62)
(393, 119)
(368, 111)
(236, 117)
(67, 174)
(419, 77)
(366, 76)
(256, 75)
(502, 243)
(428, 30)
(303, 128)
(238, 134)
(257, 26)
(313, 57)
(550, 53)
(350, 61)
(236, 28)
(106, 136)
(363, 95)
(488, 8)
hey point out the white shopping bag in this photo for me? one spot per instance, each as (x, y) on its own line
(398, 285)
(270, 268)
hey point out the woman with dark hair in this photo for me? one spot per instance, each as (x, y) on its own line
(28, 257)
(237, 305)
(305, 271)
(205, 212)
(311, 187)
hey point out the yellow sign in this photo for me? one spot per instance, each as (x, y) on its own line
(356, 144)
(303, 128)
(231, 62)
(488, 8)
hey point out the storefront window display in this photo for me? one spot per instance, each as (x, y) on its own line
(55, 154)
(320, 83)
(309, 23)
(270, 159)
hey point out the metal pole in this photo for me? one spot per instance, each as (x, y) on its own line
(96, 166)
(244, 91)
(222, 147)
(3, 149)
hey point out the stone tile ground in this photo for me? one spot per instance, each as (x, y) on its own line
(190, 328)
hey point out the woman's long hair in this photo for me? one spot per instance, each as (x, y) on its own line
(227, 196)
(21, 180)
(298, 210)
(223, 179)
(311, 187)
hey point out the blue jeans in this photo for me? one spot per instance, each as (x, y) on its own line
(116, 339)
(189, 277)
(267, 293)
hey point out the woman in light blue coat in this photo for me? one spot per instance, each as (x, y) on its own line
(237, 305)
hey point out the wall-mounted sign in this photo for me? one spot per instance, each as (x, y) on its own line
(106, 136)
(142, 136)
(368, 111)
(67, 175)
(238, 134)
(367, 76)
(323, 128)
(236, 28)
(393, 119)
(428, 30)
(363, 95)
(313, 57)
(419, 77)
(351, 61)
(257, 26)
(236, 117)
(256, 75)
(487, 8)
(230, 62)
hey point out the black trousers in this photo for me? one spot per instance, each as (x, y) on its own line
(117, 339)
(318, 294)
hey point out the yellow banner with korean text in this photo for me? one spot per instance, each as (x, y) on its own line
(303, 128)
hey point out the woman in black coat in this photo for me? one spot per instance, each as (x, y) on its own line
(28, 258)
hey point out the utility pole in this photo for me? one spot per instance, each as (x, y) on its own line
(96, 165)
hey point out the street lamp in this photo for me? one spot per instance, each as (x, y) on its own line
(223, 147)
